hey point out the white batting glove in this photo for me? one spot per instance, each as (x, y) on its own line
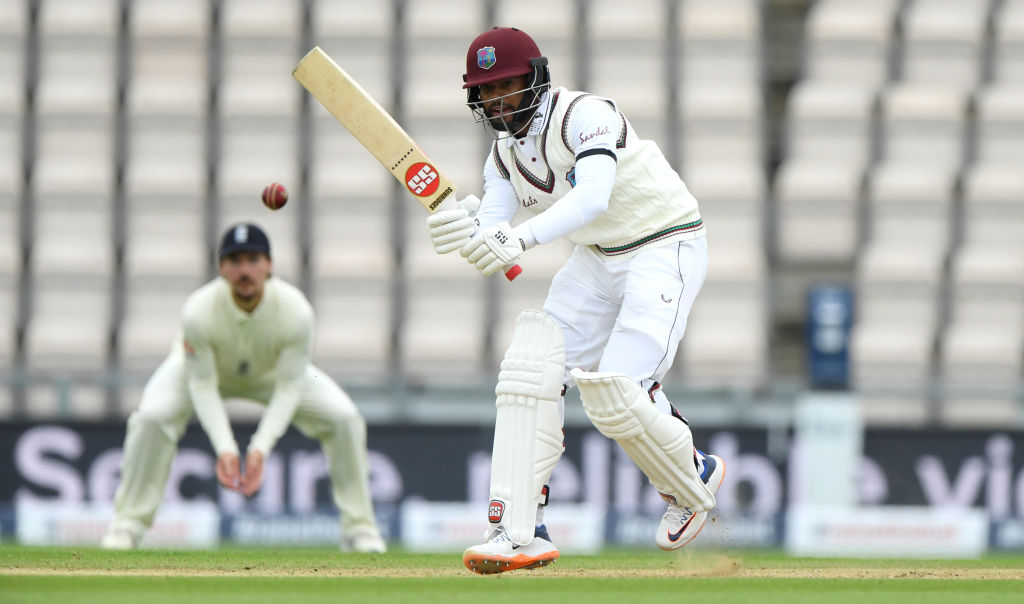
(492, 248)
(450, 229)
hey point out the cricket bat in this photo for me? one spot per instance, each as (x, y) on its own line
(382, 136)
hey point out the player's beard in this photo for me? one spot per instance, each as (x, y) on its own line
(246, 290)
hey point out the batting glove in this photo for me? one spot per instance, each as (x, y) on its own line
(450, 229)
(493, 247)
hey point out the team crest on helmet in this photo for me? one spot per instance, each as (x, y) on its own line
(485, 57)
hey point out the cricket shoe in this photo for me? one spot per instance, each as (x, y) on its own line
(499, 554)
(364, 543)
(680, 525)
(123, 535)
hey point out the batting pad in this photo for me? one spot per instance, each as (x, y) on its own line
(659, 444)
(528, 427)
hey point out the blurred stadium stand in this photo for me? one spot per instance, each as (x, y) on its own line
(874, 144)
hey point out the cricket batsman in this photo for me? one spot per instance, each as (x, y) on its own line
(615, 313)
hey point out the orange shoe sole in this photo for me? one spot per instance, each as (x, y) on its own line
(483, 564)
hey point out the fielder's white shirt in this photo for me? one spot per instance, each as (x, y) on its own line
(231, 353)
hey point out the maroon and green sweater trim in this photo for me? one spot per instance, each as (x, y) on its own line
(619, 250)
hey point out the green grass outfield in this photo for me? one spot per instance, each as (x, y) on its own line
(311, 576)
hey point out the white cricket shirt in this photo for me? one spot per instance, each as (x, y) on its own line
(231, 353)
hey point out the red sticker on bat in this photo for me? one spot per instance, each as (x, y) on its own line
(422, 179)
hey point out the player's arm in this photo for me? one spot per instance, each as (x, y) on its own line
(596, 125)
(201, 372)
(201, 376)
(292, 363)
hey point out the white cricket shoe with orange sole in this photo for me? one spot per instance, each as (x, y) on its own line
(499, 554)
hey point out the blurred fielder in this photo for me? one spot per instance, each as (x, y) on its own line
(245, 334)
(615, 313)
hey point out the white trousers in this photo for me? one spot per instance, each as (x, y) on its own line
(627, 316)
(325, 413)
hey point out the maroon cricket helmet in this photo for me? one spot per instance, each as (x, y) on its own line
(501, 52)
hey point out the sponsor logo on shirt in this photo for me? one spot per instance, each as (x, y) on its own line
(596, 133)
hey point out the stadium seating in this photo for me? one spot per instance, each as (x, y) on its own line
(886, 157)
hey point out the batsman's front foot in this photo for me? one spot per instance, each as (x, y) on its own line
(498, 554)
(123, 535)
(680, 525)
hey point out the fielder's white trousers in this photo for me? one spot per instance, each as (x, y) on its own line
(325, 413)
(627, 316)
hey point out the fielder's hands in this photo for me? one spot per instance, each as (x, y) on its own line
(228, 473)
(493, 248)
(253, 476)
(231, 477)
(452, 229)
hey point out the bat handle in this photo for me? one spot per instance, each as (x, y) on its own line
(513, 271)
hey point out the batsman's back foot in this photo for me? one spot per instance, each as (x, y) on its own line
(680, 525)
(498, 554)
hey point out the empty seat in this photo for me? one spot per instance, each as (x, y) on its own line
(69, 327)
(71, 18)
(722, 42)
(993, 195)
(999, 123)
(913, 202)
(732, 197)
(987, 286)
(723, 122)
(628, 59)
(443, 331)
(166, 245)
(897, 306)
(152, 318)
(352, 18)
(261, 19)
(77, 79)
(831, 119)
(342, 170)
(726, 341)
(924, 122)
(72, 242)
(166, 162)
(1008, 42)
(851, 42)
(818, 209)
(182, 21)
(353, 240)
(944, 41)
(444, 25)
(353, 329)
(168, 82)
(256, 84)
(433, 89)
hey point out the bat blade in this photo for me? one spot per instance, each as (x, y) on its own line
(374, 127)
(382, 136)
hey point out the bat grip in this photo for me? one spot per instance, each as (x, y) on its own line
(513, 271)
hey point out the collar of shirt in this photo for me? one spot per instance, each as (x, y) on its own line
(539, 121)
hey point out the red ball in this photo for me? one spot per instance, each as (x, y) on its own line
(275, 196)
